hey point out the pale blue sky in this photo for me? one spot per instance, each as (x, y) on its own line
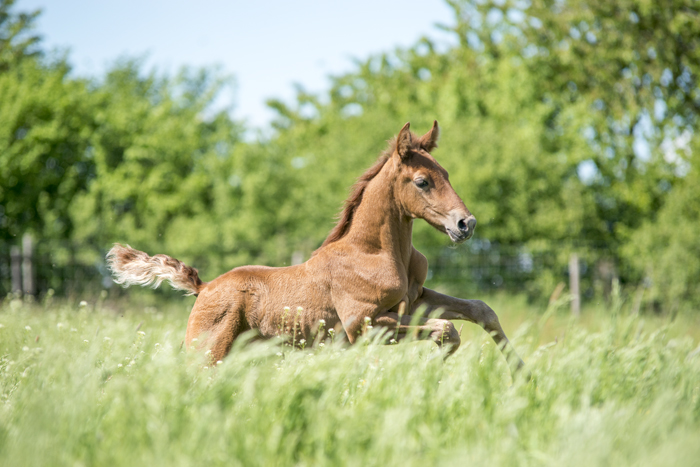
(266, 45)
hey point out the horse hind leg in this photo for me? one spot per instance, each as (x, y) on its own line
(214, 328)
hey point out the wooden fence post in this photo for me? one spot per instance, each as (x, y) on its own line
(16, 267)
(574, 285)
(28, 265)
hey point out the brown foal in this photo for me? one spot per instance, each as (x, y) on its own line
(366, 272)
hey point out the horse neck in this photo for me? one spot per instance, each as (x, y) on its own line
(379, 223)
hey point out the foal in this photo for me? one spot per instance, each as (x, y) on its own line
(366, 271)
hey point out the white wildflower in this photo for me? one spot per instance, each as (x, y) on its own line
(119, 365)
(83, 303)
(86, 341)
(28, 328)
(25, 348)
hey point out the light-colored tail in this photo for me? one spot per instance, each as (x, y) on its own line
(131, 267)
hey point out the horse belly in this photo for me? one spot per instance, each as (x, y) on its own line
(293, 307)
(294, 314)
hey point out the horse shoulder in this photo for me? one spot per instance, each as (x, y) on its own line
(363, 277)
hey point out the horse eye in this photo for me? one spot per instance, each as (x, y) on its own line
(421, 183)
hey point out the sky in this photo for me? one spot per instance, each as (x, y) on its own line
(267, 46)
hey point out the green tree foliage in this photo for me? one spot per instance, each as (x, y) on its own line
(42, 143)
(131, 157)
(156, 162)
(667, 246)
(634, 66)
(43, 134)
(16, 39)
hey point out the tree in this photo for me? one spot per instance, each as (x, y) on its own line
(157, 163)
(634, 66)
(42, 133)
(84, 163)
(16, 39)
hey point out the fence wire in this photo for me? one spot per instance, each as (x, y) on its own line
(477, 267)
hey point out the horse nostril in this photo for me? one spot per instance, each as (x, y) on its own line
(461, 225)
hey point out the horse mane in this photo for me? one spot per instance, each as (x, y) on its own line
(354, 200)
(358, 189)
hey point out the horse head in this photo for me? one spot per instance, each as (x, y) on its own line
(423, 188)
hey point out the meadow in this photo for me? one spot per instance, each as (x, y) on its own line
(108, 383)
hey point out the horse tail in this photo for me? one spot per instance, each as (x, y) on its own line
(131, 267)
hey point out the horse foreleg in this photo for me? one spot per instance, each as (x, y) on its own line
(474, 311)
(441, 331)
(356, 316)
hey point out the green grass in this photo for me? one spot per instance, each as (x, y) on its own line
(108, 384)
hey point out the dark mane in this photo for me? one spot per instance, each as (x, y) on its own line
(358, 189)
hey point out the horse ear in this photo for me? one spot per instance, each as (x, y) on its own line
(429, 140)
(403, 141)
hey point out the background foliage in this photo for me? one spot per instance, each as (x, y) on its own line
(567, 126)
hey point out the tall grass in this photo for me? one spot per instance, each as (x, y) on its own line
(87, 385)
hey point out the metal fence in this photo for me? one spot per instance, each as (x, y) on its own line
(477, 267)
(481, 266)
(33, 268)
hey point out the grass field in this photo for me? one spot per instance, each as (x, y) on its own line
(107, 384)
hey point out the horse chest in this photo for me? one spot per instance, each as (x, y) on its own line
(385, 284)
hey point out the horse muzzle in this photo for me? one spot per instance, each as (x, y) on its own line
(461, 230)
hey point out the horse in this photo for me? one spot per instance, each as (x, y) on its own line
(366, 272)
